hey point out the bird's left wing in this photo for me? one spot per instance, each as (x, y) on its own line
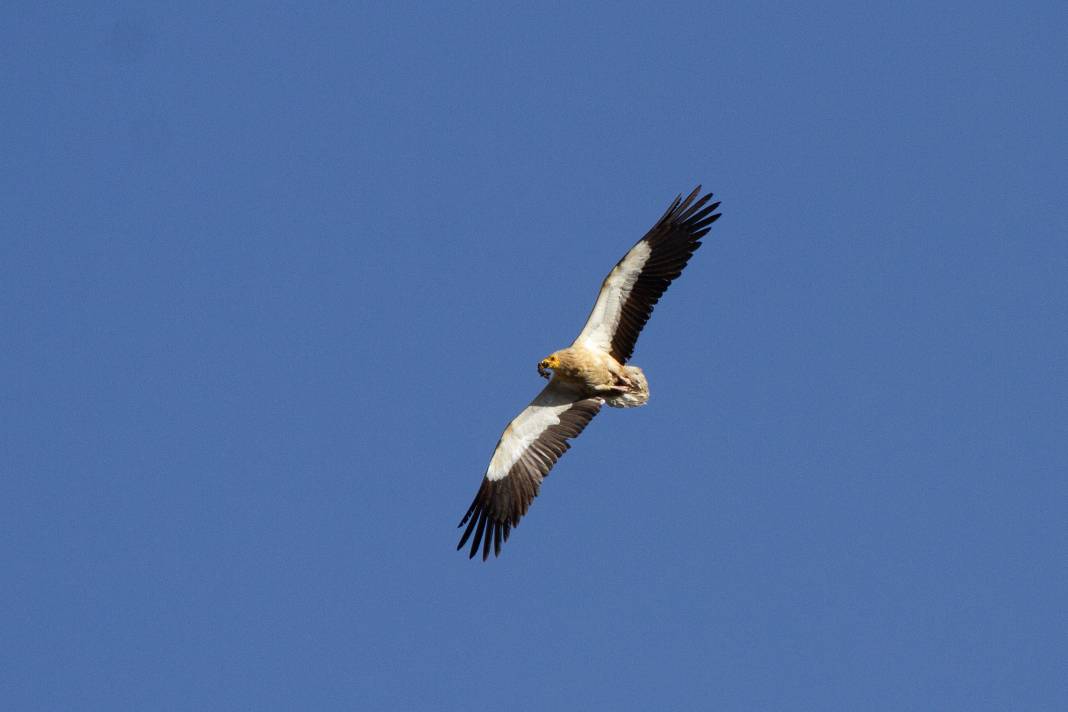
(634, 286)
(528, 449)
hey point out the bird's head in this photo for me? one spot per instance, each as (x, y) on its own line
(546, 363)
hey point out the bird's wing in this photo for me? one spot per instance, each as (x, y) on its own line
(637, 282)
(528, 449)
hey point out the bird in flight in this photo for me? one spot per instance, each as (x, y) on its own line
(589, 373)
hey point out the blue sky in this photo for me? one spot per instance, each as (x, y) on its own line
(274, 278)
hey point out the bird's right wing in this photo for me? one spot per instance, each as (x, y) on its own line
(634, 286)
(528, 449)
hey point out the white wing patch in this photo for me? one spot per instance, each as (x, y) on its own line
(520, 433)
(604, 319)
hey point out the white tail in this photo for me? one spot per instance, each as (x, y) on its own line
(638, 394)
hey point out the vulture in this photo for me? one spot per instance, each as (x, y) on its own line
(589, 373)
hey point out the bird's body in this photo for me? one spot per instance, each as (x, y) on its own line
(586, 375)
(596, 373)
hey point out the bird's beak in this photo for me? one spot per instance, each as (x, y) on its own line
(542, 371)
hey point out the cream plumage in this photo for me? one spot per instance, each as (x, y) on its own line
(586, 375)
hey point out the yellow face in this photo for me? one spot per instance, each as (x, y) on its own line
(548, 362)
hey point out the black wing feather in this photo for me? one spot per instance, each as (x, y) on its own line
(500, 504)
(672, 241)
